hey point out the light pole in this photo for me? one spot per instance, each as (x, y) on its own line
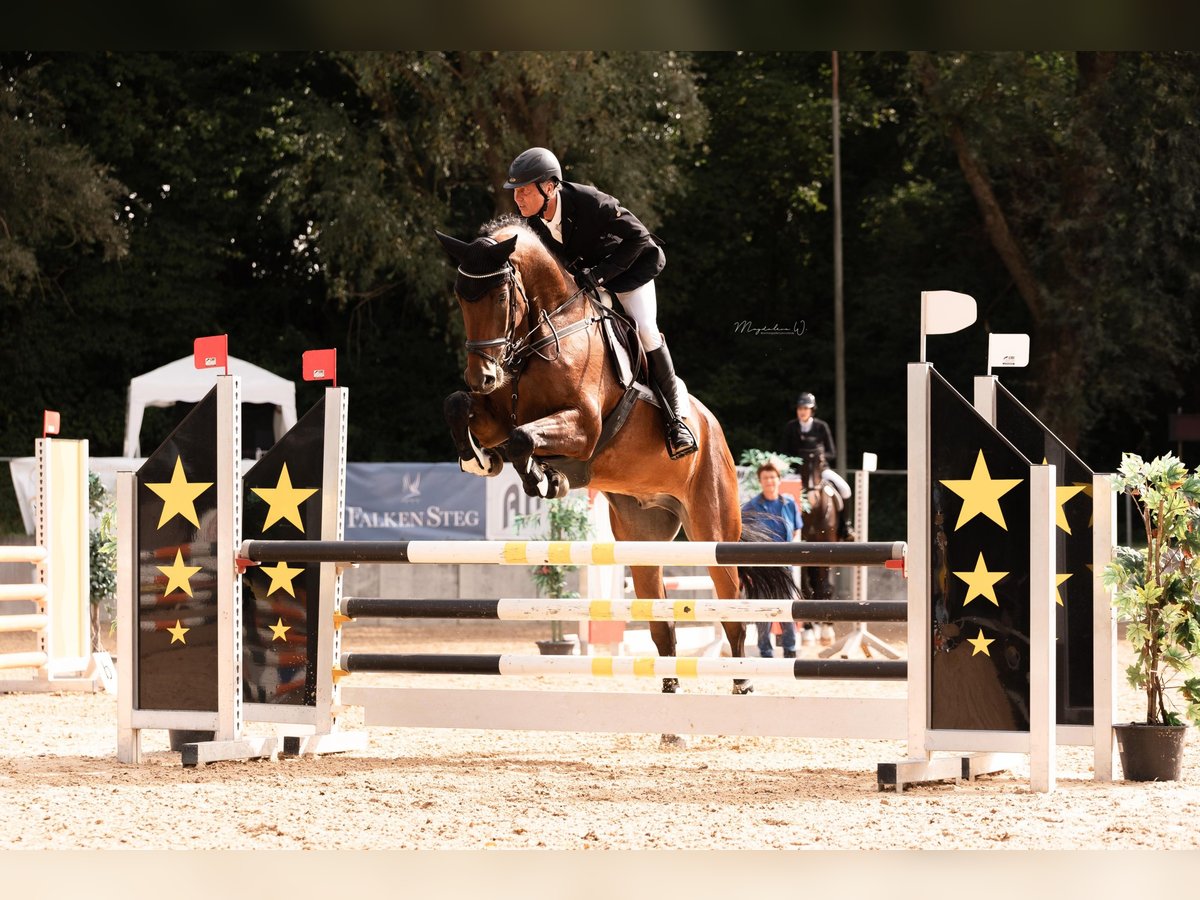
(839, 324)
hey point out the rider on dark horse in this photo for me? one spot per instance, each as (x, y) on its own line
(604, 246)
(809, 437)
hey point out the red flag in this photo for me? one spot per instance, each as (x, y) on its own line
(212, 352)
(320, 365)
(50, 423)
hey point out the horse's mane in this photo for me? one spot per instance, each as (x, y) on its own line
(517, 223)
(508, 220)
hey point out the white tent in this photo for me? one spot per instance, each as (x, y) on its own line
(182, 381)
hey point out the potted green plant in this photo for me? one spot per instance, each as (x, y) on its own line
(565, 519)
(1155, 594)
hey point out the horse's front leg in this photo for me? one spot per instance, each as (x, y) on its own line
(559, 434)
(465, 418)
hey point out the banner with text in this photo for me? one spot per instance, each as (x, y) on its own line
(413, 502)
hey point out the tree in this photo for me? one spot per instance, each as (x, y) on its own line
(1083, 168)
(57, 203)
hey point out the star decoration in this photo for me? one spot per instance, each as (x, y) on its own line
(179, 576)
(1061, 496)
(1058, 580)
(284, 500)
(282, 576)
(178, 632)
(981, 494)
(279, 631)
(179, 495)
(981, 582)
(981, 644)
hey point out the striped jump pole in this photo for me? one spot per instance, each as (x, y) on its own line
(891, 554)
(625, 666)
(629, 610)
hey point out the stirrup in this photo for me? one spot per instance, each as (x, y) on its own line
(680, 450)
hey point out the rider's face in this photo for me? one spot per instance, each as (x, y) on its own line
(803, 413)
(529, 201)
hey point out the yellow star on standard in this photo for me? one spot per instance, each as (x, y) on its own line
(279, 631)
(981, 644)
(1061, 496)
(981, 494)
(284, 500)
(1058, 580)
(981, 582)
(178, 632)
(179, 576)
(179, 495)
(281, 577)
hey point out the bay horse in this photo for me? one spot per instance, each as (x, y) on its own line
(541, 385)
(820, 524)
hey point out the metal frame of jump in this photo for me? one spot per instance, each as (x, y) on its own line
(62, 620)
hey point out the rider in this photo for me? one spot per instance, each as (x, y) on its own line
(603, 245)
(805, 434)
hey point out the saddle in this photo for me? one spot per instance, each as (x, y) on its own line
(628, 359)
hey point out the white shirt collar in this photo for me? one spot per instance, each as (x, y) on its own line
(555, 221)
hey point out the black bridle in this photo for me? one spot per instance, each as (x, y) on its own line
(517, 351)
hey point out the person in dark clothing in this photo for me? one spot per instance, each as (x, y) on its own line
(803, 436)
(604, 246)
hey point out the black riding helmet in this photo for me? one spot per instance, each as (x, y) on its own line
(806, 399)
(535, 165)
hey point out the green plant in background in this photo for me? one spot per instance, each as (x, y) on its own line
(566, 519)
(102, 555)
(1156, 588)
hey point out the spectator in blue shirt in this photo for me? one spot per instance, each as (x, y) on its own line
(779, 513)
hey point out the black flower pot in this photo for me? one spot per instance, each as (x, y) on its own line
(1151, 752)
(556, 648)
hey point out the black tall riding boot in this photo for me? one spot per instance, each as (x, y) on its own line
(680, 440)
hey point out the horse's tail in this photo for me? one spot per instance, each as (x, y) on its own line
(764, 582)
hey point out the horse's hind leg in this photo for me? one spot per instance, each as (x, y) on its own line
(631, 522)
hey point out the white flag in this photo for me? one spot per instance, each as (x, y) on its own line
(1007, 351)
(944, 312)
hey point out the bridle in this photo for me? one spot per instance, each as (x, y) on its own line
(516, 351)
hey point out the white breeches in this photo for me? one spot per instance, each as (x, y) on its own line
(641, 305)
(838, 482)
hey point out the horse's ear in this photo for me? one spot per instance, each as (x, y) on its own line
(454, 246)
(502, 251)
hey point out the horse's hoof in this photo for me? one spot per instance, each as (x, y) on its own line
(556, 485)
(670, 685)
(673, 742)
(742, 687)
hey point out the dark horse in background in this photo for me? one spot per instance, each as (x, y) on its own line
(541, 385)
(820, 524)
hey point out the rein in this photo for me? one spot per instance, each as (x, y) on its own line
(516, 352)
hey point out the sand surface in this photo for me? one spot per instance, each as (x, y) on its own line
(62, 787)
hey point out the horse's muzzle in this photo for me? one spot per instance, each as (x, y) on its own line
(484, 377)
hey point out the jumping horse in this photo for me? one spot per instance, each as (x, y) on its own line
(544, 393)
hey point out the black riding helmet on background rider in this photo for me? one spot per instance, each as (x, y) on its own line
(535, 166)
(807, 399)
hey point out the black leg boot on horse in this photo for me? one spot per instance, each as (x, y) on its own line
(680, 440)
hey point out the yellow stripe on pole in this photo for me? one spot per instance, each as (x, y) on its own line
(643, 666)
(514, 552)
(600, 610)
(603, 553)
(602, 666)
(685, 611)
(687, 667)
(641, 610)
(559, 553)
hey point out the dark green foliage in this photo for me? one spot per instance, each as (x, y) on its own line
(289, 199)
